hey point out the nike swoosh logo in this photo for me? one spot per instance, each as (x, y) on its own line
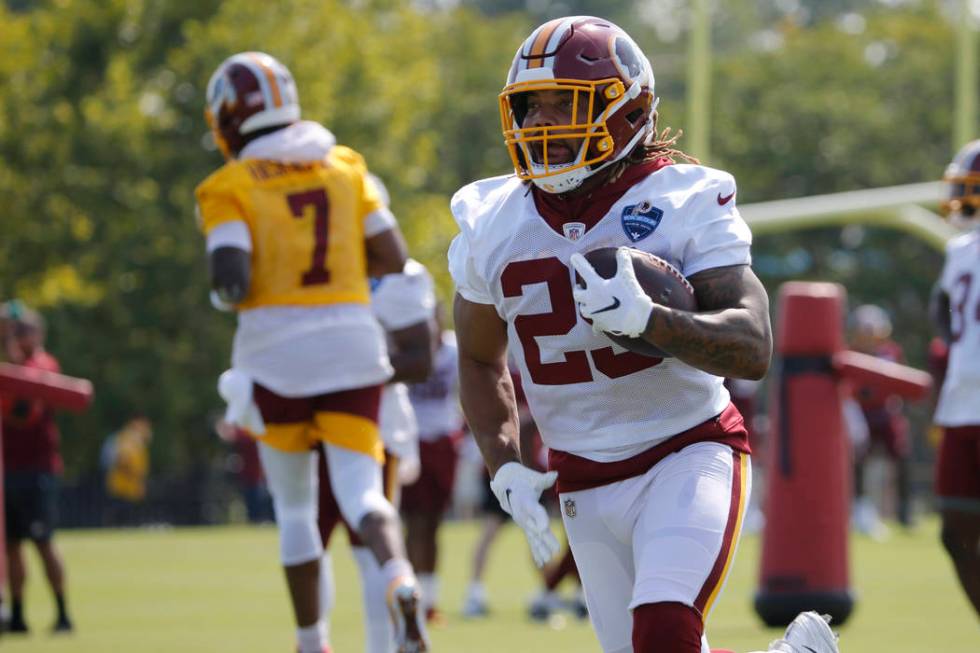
(809, 649)
(507, 494)
(722, 201)
(611, 307)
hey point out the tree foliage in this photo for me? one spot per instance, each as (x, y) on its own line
(102, 141)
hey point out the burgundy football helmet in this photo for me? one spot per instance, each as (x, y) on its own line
(961, 201)
(249, 91)
(589, 57)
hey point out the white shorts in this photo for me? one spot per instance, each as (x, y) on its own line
(667, 536)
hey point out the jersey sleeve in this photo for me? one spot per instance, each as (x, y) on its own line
(381, 219)
(402, 300)
(717, 234)
(369, 197)
(218, 201)
(948, 276)
(468, 282)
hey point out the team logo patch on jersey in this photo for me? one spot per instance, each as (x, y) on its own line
(640, 220)
(573, 230)
(570, 509)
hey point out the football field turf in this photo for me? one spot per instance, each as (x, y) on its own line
(220, 589)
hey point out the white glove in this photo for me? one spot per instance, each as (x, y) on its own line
(518, 489)
(235, 387)
(617, 305)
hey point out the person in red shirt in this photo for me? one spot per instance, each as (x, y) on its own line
(32, 465)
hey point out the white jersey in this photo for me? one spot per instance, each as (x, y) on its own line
(588, 396)
(959, 399)
(436, 400)
(400, 301)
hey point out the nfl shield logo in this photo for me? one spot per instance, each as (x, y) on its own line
(570, 508)
(640, 220)
(573, 230)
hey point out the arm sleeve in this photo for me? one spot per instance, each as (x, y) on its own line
(379, 221)
(717, 234)
(468, 282)
(233, 233)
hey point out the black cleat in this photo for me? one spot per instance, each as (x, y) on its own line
(62, 626)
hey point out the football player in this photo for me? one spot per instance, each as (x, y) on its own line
(956, 312)
(404, 304)
(887, 426)
(293, 230)
(650, 457)
(424, 502)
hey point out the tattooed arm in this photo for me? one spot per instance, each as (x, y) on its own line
(729, 335)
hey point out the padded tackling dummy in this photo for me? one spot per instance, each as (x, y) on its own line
(808, 489)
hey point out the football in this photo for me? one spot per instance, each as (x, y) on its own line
(663, 283)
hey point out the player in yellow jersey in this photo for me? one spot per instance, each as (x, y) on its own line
(293, 231)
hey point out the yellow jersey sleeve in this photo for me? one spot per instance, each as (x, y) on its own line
(219, 198)
(370, 200)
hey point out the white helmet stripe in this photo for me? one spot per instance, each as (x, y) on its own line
(556, 38)
(267, 79)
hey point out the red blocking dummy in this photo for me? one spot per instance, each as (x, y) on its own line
(804, 548)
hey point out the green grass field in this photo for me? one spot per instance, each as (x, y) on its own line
(220, 589)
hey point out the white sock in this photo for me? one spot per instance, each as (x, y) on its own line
(396, 568)
(429, 586)
(310, 638)
(378, 635)
(328, 590)
(477, 591)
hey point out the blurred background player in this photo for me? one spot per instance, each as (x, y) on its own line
(887, 425)
(247, 468)
(404, 304)
(32, 466)
(956, 312)
(126, 455)
(424, 502)
(294, 227)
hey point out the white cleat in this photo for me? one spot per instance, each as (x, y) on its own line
(476, 602)
(404, 600)
(809, 633)
(475, 607)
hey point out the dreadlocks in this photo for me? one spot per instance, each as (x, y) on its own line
(659, 145)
